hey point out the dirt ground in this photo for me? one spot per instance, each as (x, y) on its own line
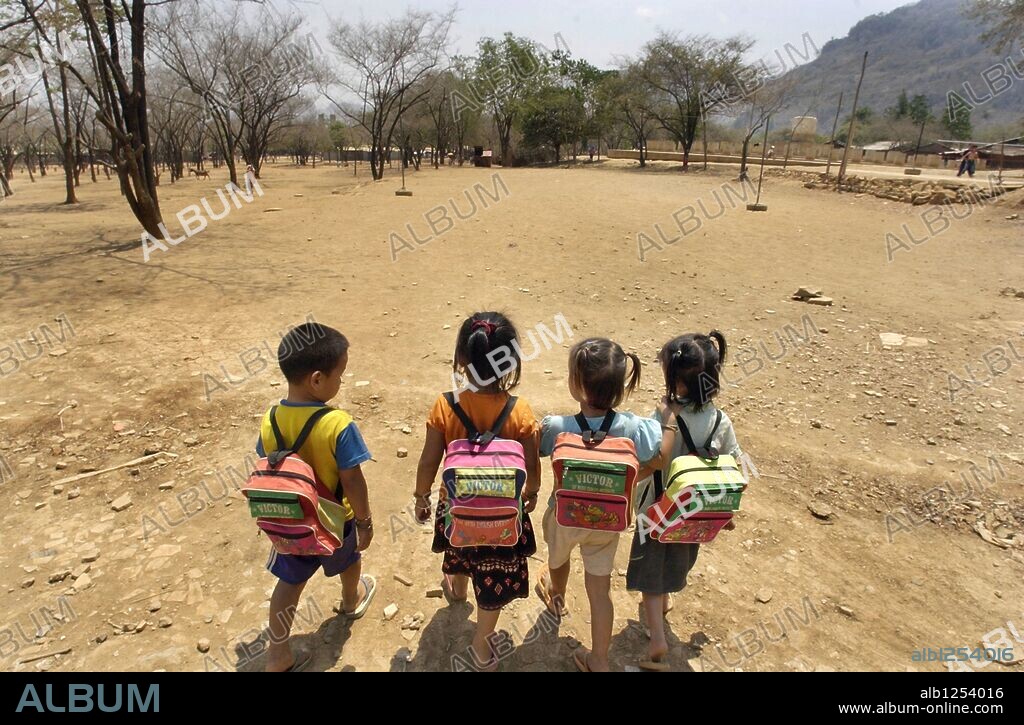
(170, 358)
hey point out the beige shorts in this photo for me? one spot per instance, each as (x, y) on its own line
(597, 547)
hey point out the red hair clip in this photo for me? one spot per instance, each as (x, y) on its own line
(488, 327)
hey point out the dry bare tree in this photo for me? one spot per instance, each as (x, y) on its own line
(384, 65)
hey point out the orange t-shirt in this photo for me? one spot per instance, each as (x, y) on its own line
(483, 409)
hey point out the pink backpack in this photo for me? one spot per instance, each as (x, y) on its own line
(484, 477)
(296, 511)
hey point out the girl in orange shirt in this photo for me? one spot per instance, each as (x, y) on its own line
(487, 354)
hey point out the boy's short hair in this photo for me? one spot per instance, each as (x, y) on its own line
(309, 348)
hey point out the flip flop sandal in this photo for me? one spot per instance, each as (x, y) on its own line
(652, 666)
(371, 588)
(582, 663)
(301, 662)
(449, 591)
(542, 591)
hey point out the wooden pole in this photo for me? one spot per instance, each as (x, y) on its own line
(764, 153)
(920, 138)
(832, 140)
(704, 123)
(853, 123)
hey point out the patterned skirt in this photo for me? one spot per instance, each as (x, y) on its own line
(499, 574)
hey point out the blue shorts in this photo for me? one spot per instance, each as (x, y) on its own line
(293, 569)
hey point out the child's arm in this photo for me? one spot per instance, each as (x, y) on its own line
(426, 471)
(354, 485)
(666, 417)
(531, 492)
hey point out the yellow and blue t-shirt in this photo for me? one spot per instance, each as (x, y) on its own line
(334, 445)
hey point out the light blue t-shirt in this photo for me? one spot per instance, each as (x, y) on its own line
(644, 432)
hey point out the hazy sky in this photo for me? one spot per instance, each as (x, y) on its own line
(600, 30)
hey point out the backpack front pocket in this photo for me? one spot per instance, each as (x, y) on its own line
(498, 525)
(298, 540)
(693, 529)
(592, 511)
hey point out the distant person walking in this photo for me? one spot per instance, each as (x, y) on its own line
(250, 179)
(969, 162)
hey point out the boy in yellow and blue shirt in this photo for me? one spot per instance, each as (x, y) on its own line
(313, 358)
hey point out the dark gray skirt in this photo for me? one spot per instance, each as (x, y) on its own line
(656, 568)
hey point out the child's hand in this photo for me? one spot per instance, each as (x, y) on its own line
(423, 508)
(363, 538)
(530, 503)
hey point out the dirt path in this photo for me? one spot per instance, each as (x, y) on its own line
(172, 355)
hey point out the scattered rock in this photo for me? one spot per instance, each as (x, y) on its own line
(101, 638)
(413, 622)
(402, 579)
(155, 605)
(820, 511)
(83, 582)
(166, 485)
(821, 301)
(764, 596)
(403, 452)
(435, 594)
(60, 576)
(362, 383)
(90, 556)
(806, 293)
(203, 645)
(164, 622)
(26, 583)
(191, 441)
(846, 611)
(390, 611)
(121, 502)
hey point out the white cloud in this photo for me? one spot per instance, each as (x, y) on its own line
(643, 11)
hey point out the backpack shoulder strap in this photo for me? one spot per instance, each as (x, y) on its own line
(718, 422)
(283, 449)
(691, 447)
(591, 436)
(490, 435)
(281, 445)
(471, 432)
(308, 428)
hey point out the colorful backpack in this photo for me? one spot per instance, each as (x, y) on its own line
(702, 493)
(296, 511)
(483, 477)
(594, 478)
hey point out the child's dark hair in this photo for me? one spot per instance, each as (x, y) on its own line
(694, 361)
(480, 338)
(310, 348)
(597, 368)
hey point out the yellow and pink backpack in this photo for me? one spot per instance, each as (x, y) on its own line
(701, 495)
(296, 511)
(483, 477)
